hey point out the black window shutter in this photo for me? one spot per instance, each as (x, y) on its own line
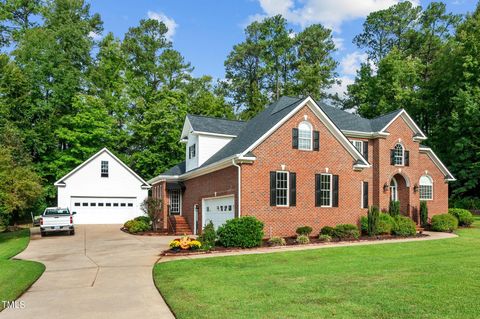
(293, 189)
(392, 157)
(316, 140)
(317, 190)
(273, 188)
(365, 195)
(335, 191)
(365, 150)
(295, 138)
(407, 158)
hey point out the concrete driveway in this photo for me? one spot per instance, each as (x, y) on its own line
(99, 272)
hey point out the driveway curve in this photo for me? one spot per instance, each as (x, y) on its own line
(100, 271)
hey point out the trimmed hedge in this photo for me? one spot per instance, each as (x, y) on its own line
(346, 231)
(327, 230)
(404, 226)
(385, 224)
(444, 223)
(145, 219)
(423, 213)
(465, 218)
(138, 226)
(304, 230)
(244, 232)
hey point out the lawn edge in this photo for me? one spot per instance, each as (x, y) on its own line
(159, 291)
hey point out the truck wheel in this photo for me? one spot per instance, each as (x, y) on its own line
(72, 232)
(43, 234)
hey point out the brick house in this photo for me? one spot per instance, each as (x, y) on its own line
(299, 163)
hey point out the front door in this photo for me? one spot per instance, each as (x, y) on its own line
(175, 206)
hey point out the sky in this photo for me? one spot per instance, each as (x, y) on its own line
(205, 31)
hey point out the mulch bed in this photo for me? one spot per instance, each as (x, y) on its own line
(289, 240)
(147, 233)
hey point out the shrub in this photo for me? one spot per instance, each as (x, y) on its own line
(304, 230)
(128, 224)
(465, 218)
(364, 225)
(138, 226)
(444, 223)
(404, 226)
(241, 232)
(325, 238)
(277, 241)
(346, 231)
(145, 219)
(302, 239)
(327, 230)
(394, 208)
(208, 236)
(385, 224)
(423, 213)
(372, 219)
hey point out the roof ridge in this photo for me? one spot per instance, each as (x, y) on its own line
(389, 113)
(214, 118)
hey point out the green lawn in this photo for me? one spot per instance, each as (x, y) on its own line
(16, 275)
(431, 279)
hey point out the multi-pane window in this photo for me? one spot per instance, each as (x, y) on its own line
(305, 136)
(393, 190)
(104, 169)
(398, 154)
(358, 145)
(282, 189)
(326, 190)
(175, 201)
(426, 188)
(191, 151)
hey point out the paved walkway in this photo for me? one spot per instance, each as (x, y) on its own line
(267, 250)
(100, 272)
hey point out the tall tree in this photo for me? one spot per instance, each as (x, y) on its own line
(16, 17)
(273, 61)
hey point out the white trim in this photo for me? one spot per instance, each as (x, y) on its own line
(185, 131)
(396, 188)
(180, 201)
(331, 190)
(410, 122)
(438, 163)
(361, 194)
(361, 143)
(325, 120)
(305, 122)
(61, 182)
(239, 186)
(420, 185)
(213, 134)
(288, 188)
(360, 134)
(395, 156)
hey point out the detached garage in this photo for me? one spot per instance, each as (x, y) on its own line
(102, 190)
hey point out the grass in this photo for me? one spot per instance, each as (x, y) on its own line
(429, 279)
(16, 276)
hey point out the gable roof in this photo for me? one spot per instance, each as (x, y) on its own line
(61, 181)
(430, 153)
(200, 123)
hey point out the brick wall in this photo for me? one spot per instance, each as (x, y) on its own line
(276, 151)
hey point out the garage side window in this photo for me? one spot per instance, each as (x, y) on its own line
(104, 169)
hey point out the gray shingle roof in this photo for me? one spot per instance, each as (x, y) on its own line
(248, 132)
(215, 125)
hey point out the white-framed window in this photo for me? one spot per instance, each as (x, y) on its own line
(192, 151)
(326, 190)
(393, 190)
(364, 194)
(426, 188)
(305, 136)
(104, 169)
(175, 201)
(358, 145)
(398, 154)
(282, 188)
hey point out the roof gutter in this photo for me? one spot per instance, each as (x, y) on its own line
(239, 186)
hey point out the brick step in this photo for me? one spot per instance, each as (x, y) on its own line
(181, 225)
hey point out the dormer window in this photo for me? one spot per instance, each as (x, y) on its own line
(191, 151)
(398, 154)
(305, 136)
(104, 169)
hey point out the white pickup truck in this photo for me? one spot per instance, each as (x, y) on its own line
(55, 219)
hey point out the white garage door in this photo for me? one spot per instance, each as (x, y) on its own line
(218, 210)
(104, 210)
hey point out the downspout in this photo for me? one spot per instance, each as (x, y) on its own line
(239, 185)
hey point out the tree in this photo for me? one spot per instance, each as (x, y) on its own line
(16, 18)
(153, 208)
(273, 61)
(20, 185)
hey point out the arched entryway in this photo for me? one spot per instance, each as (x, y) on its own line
(399, 190)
